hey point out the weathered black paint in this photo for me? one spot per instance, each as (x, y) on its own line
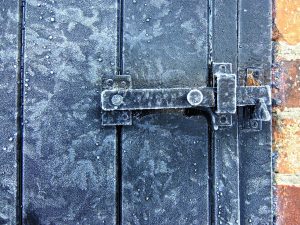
(165, 43)
(226, 152)
(69, 158)
(255, 48)
(8, 110)
(165, 157)
(165, 170)
(172, 167)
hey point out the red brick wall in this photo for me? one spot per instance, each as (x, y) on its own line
(286, 116)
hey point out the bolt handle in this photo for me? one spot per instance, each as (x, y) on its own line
(261, 111)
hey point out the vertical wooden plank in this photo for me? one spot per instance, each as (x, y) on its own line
(165, 43)
(224, 32)
(8, 110)
(69, 159)
(255, 24)
(256, 178)
(226, 152)
(165, 153)
(255, 147)
(226, 163)
(165, 170)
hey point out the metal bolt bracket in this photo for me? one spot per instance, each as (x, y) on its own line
(225, 81)
(113, 118)
(118, 96)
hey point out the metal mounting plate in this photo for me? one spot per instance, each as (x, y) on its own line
(113, 118)
(226, 93)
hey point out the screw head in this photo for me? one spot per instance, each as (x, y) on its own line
(109, 82)
(195, 97)
(125, 116)
(117, 100)
(254, 124)
(223, 119)
(123, 83)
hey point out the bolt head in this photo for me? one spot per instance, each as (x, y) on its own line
(117, 100)
(109, 82)
(195, 97)
(254, 124)
(123, 83)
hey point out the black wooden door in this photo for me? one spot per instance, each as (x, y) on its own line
(181, 164)
(164, 156)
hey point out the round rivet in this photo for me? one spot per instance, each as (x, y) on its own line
(109, 82)
(117, 100)
(254, 124)
(195, 97)
(123, 83)
(223, 119)
(125, 116)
